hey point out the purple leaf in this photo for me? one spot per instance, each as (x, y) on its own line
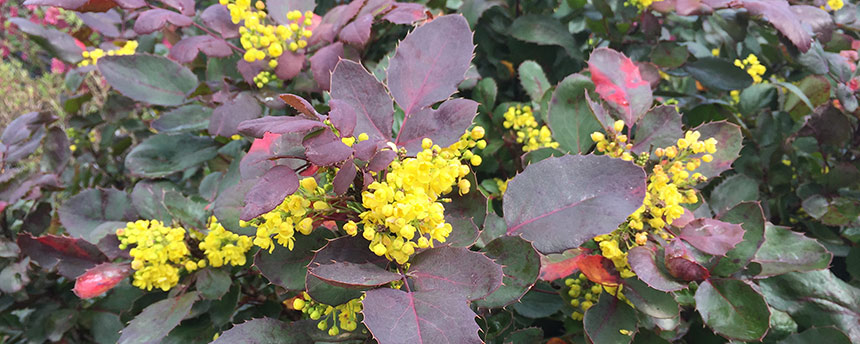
(441, 269)
(643, 261)
(381, 160)
(354, 86)
(131, 4)
(326, 149)
(277, 125)
(682, 265)
(72, 257)
(59, 44)
(395, 316)
(333, 21)
(821, 22)
(729, 140)
(619, 83)
(269, 191)
(374, 7)
(780, 15)
(520, 264)
(104, 23)
(264, 331)
(444, 125)
(217, 18)
(75, 5)
(712, 236)
(598, 194)
(365, 150)
(94, 213)
(24, 134)
(324, 61)
(430, 62)
(358, 32)
(465, 213)
(659, 128)
(250, 69)
(153, 20)
(347, 262)
(344, 178)
(406, 13)
(301, 105)
(186, 50)
(289, 65)
(227, 117)
(342, 116)
(185, 7)
(289, 268)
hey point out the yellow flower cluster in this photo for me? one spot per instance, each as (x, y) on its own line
(641, 4)
(528, 132)
(753, 67)
(263, 78)
(342, 317)
(222, 247)
(584, 294)
(616, 144)
(91, 57)
(609, 248)
(404, 210)
(502, 184)
(262, 40)
(834, 5)
(159, 253)
(295, 213)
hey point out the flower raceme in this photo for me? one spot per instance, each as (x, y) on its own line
(297, 213)
(341, 317)
(532, 135)
(91, 57)
(753, 67)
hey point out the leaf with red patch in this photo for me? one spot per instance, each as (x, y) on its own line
(71, 256)
(277, 125)
(598, 269)
(682, 265)
(555, 266)
(99, 279)
(618, 82)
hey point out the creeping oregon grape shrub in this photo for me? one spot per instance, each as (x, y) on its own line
(374, 171)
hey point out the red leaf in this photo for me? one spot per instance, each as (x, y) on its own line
(618, 81)
(683, 266)
(555, 266)
(264, 144)
(99, 279)
(598, 269)
(71, 256)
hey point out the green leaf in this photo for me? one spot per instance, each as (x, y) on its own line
(287, 268)
(485, 94)
(161, 201)
(838, 211)
(157, 319)
(473, 9)
(829, 335)
(659, 128)
(213, 283)
(756, 97)
(494, 227)
(105, 327)
(718, 74)
(14, 277)
(733, 309)
(815, 298)
(605, 320)
(650, 301)
(569, 116)
(147, 78)
(544, 30)
(533, 80)
(669, 55)
(526, 335)
(599, 193)
(263, 331)
(810, 92)
(732, 191)
(94, 213)
(163, 154)
(192, 117)
(786, 251)
(520, 264)
(751, 217)
(536, 304)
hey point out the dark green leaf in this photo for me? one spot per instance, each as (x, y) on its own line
(829, 335)
(569, 115)
(163, 154)
(520, 264)
(213, 283)
(650, 301)
(151, 79)
(733, 309)
(718, 74)
(659, 128)
(784, 250)
(158, 319)
(94, 213)
(751, 217)
(732, 191)
(287, 268)
(544, 30)
(263, 331)
(605, 320)
(533, 80)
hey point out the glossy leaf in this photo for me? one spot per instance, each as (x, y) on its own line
(269, 191)
(444, 125)
(161, 201)
(543, 30)
(520, 265)
(729, 141)
(191, 117)
(780, 15)
(395, 316)
(326, 149)
(148, 78)
(213, 283)
(430, 62)
(533, 79)
(347, 262)
(599, 193)
(659, 128)
(186, 50)
(570, 116)
(605, 320)
(94, 213)
(682, 265)
(157, 319)
(718, 74)
(287, 268)
(440, 270)
(751, 217)
(733, 309)
(650, 301)
(829, 335)
(784, 250)
(278, 125)
(732, 191)
(57, 42)
(263, 331)
(99, 279)
(465, 213)
(617, 80)
(72, 257)
(712, 236)
(643, 261)
(555, 266)
(163, 154)
(598, 269)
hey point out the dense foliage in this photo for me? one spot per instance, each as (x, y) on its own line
(461, 171)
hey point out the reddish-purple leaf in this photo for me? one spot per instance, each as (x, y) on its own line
(264, 331)
(381, 160)
(643, 261)
(59, 44)
(217, 18)
(375, 7)
(619, 83)
(75, 5)
(444, 125)
(269, 191)
(821, 22)
(347, 262)
(324, 61)
(365, 150)
(131, 4)
(185, 7)
(406, 13)
(342, 116)
(249, 70)
(277, 125)
(226, 118)
(441, 269)
(289, 268)
(395, 316)
(186, 50)
(71, 256)
(99, 279)
(153, 20)
(659, 128)
(682, 265)
(780, 15)
(94, 213)
(357, 32)
(430, 62)
(301, 105)
(729, 140)
(334, 20)
(712, 236)
(326, 149)
(598, 194)
(465, 213)
(354, 86)
(558, 265)
(104, 23)
(344, 177)
(289, 65)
